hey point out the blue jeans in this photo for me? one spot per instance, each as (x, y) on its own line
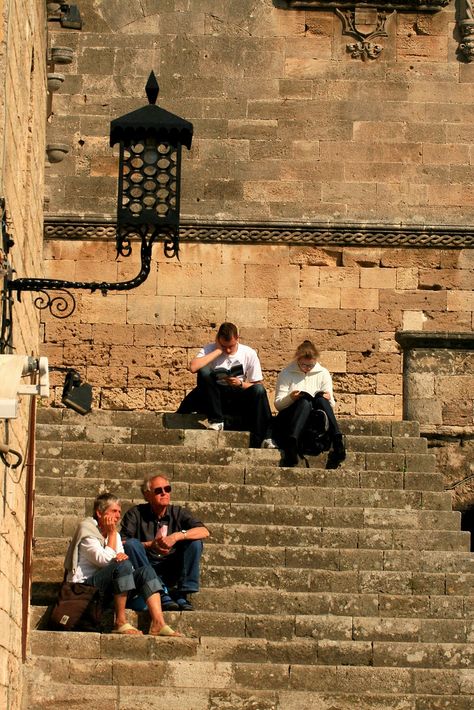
(119, 577)
(180, 569)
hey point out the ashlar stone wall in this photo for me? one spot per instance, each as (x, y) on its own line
(134, 347)
(22, 160)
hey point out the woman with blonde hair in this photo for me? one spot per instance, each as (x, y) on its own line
(305, 385)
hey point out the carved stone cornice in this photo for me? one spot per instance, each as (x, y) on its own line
(355, 235)
(387, 5)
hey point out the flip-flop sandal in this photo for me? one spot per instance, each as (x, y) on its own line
(165, 631)
(127, 630)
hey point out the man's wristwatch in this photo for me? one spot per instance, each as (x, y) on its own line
(184, 532)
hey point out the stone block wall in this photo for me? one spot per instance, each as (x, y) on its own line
(22, 160)
(290, 131)
(288, 126)
(134, 347)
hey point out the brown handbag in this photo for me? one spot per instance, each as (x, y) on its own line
(78, 606)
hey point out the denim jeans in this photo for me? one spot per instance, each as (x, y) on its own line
(180, 569)
(119, 577)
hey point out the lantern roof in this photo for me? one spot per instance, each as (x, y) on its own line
(151, 121)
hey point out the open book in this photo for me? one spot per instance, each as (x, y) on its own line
(221, 373)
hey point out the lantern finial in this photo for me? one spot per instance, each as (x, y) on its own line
(152, 89)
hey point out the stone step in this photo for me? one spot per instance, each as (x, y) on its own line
(358, 517)
(316, 651)
(191, 674)
(154, 454)
(47, 695)
(281, 627)
(171, 420)
(325, 537)
(240, 474)
(207, 439)
(446, 609)
(250, 493)
(50, 551)
(299, 579)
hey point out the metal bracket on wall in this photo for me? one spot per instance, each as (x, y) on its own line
(6, 316)
(64, 304)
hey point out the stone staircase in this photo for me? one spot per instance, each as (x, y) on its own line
(347, 589)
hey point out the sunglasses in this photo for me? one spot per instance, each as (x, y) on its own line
(159, 490)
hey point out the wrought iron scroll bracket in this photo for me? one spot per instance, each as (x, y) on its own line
(63, 303)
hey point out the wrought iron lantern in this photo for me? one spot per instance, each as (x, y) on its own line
(150, 170)
(150, 142)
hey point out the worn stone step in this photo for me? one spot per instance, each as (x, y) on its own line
(49, 554)
(444, 608)
(239, 474)
(55, 525)
(92, 433)
(271, 513)
(288, 627)
(191, 673)
(321, 652)
(190, 453)
(58, 696)
(248, 493)
(172, 420)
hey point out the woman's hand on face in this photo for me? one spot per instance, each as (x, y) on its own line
(296, 394)
(108, 523)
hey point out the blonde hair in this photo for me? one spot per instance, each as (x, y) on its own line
(307, 350)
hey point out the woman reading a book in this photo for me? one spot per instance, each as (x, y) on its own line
(304, 385)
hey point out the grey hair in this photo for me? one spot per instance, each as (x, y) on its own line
(103, 501)
(145, 487)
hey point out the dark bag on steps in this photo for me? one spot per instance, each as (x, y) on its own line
(315, 437)
(78, 606)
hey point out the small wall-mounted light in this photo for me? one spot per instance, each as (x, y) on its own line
(77, 395)
(70, 17)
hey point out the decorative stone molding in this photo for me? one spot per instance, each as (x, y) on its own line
(466, 25)
(278, 233)
(365, 20)
(382, 5)
(365, 24)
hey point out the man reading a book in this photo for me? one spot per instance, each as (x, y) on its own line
(229, 382)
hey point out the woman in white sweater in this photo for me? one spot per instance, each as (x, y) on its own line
(96, 556)
(302, 386)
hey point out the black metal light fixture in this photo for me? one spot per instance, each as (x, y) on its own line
(70, 17)
(77, 395)
(148, 199)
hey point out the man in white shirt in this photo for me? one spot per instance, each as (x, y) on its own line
(229, 381)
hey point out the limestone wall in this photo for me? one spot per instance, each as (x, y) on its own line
(134, 347)
(288, 126)
(22, 158)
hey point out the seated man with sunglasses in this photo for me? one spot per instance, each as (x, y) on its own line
(169, 538)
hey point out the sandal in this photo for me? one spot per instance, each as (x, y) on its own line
(165, 631)
(127, 630)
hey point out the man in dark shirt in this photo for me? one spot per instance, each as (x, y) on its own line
(169, 538)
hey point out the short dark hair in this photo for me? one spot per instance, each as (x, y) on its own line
(227, 331)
